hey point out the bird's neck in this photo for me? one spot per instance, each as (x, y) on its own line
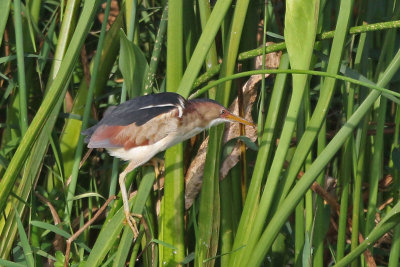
(191, 118)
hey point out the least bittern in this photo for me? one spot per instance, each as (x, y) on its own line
(140, 128)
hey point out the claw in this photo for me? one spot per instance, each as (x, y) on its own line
(132, 224)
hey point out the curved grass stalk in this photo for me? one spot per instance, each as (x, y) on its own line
(371, 85)
(205, 77)
(323, 36)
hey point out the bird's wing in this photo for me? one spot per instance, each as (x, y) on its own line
(137, 124)
(132, 135)
(142, 109)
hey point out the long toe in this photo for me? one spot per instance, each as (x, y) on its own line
(132, 224)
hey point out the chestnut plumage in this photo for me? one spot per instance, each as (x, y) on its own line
(140, 128)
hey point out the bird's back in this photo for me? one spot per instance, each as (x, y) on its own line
(131, 123)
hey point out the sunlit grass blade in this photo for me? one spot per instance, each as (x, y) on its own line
(172, 223)
(5, 6)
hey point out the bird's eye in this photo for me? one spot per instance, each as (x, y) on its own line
(223, 112)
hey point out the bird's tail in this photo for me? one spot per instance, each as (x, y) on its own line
(88, 132)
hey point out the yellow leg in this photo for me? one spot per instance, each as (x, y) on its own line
(129, 218)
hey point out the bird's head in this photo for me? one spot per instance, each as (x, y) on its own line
(213, 113)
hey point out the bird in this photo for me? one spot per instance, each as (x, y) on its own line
(138, 129)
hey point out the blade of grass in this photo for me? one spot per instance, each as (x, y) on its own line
(66, 33)
(345, 176)
(346, 171)
(261, 112)
(227, 227)
(377, 167)
(130, 15)
(23, 111)
(358, 160)
(155, 57)
(5, 7)
(24, 241)
(212, 58)
(395, 250)
(10, 263)
(210, 61)
(321, 220)
(172, 223)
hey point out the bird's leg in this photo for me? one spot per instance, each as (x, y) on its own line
(130, 220)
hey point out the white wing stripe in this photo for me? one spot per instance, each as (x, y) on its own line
(182, 102)
(157, 106)
(180, 111)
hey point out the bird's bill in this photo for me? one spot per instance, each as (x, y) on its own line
(232, 117)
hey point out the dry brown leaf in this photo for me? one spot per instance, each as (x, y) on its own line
(68, 101)
(114, 11)
(194, 175)
(233, 129)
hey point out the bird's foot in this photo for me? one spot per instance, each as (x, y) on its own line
(158, 165)
(130, 219)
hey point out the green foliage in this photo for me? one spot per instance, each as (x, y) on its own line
(133, 66)
(330, 122)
